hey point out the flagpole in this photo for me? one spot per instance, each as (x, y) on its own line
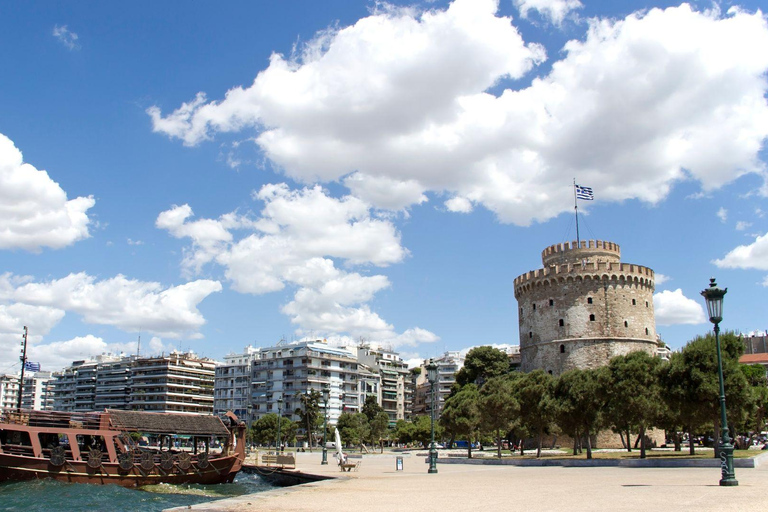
(23, 364)
(576, 209)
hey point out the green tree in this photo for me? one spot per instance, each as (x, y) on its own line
(579, 403)
(264, 430)
(534, 393)
(634, 395)
(353, 428)
(371, 407)
(755, 375)
(404, 431)
(422, 430)
(379, 427)
(482, 363)
(700, 380)
(309, 413)
(499, 409)
(461, 415)
(681, 390)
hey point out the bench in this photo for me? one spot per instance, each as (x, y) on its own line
(350, 466)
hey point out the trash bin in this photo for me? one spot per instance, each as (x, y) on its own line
(398, 463)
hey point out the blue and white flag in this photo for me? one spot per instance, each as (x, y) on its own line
(584, 193)
(32, 367)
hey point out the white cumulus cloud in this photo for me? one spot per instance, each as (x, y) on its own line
(553, 10)
(397, 106)
(751, 256)
(673, 308)
(34, 210)
(124, 303)
(296, 241)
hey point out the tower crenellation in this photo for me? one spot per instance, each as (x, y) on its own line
(584, 307)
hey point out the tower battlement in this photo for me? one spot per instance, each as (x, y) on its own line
(605, 270)
(586, 250)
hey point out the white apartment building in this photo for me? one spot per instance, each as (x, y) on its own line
(9, 391)
(232, 387)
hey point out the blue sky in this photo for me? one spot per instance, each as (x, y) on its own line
(208, 177)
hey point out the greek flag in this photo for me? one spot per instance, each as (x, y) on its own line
(32, 367)
(584, 193)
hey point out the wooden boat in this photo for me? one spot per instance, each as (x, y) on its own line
(112, 447)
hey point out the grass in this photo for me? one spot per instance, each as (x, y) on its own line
(701, 453)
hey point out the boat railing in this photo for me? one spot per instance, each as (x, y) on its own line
(50, 419)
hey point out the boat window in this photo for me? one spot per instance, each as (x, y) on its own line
(86, 442)
(14, 437)
(16, 442)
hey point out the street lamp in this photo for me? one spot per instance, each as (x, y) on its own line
(432, 378)
(326, 396)
(279, 421)
(714, 297)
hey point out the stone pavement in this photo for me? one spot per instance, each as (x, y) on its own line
(379, 487)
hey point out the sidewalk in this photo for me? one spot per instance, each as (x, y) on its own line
(379, 487)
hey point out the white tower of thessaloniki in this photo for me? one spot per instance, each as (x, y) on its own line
(583, 308)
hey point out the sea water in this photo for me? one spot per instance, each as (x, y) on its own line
(53, 496)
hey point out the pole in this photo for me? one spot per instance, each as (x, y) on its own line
(324, 462)
(279, 421)
(726, 447)
(23, 364)
(576, 209)
(432, 449)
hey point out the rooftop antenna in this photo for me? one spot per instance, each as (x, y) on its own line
(138, 348)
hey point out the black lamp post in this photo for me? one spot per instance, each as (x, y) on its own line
(432, 378)
(326, 396)
(279, 421)
(714, 297)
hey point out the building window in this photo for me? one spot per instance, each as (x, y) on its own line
(530, 334)
(634, 302)
(521, 311)
(646, 330)
(589, 300)
(562, 322)
(562, 349)
(626, 324)
(534, 307)
(551, 302)
(646, 303)
(591, 318)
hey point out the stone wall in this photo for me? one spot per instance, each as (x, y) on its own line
(584, 311)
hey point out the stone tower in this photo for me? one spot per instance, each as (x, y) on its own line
(583, 308)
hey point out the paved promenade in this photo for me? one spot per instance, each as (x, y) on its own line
(379, 487)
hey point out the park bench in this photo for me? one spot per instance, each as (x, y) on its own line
(350, 466)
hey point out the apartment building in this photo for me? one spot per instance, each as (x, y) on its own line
(232, 387)
(396, 385)
(37, 391)
(9, 391)
(176, 383)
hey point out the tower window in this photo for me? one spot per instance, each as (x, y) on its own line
(646, 303)
(551, 302)
(626, 324)
(530, 333)
(634, 302)
(562, 322)
(521, 311)
(534, 307)
(550, 372)
(591, 318)
(589, 300)
(646, 330)
(562, 349)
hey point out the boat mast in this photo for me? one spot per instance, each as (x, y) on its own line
(23, 364)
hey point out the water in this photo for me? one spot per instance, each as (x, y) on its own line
(50, 496)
